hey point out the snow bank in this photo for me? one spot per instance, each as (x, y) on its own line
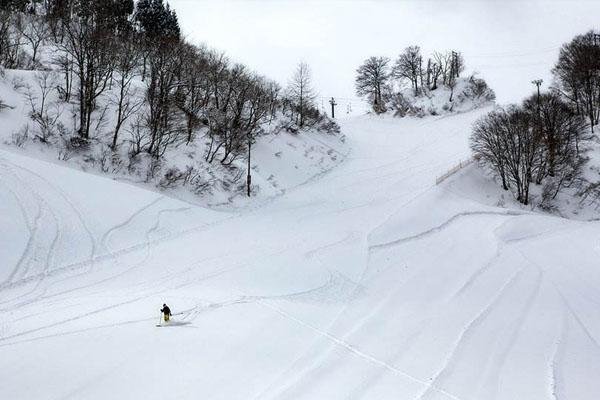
(468, 94)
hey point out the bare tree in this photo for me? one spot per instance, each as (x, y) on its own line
(5, 38)
(11, 40)
(538, 142)
(560, 131)
(65, 65)
(577, 75)
(451, 83)
(164, 123)
(274, 91)
(217, 72)
(35, 31)
(506, 142)
(488, 146)
(93, 61)
(372, 79)
(443, 62)
(434, 71)
(301, 92)
(125, 99)
(457, 65)
(193, 94)
(44, 112)
(225, 84)
(260, 98)
(409, 66)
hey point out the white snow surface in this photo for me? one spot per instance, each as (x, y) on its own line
(367, 283)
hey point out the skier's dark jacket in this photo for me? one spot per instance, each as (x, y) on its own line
(166, 310)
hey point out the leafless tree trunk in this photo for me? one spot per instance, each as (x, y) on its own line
(301, 92)
(372, 80)
(35, 31)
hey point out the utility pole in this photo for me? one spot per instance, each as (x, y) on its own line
(538, 83)
(333, 104)
(249, 176)
(454, 64)
(428, 73)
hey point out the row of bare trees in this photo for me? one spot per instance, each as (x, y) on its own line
(577, 75)
(543, 140)
(376, 76)
(537, 142)
(163, 90)
(20, 29)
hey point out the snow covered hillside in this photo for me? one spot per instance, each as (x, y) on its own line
(467, 94)
(281, 159)
(368, 283)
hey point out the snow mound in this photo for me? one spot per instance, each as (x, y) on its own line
(467, 94)
(477, 183)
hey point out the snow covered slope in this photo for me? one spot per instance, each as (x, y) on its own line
(368, 283)
(281, 159)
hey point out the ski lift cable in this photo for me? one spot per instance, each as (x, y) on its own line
(514, 53)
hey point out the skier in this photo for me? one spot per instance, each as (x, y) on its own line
(166, 312)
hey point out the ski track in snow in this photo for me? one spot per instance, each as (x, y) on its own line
(580, 322)
(556, 379)
(35, 244)
(466, 333)
(150, 293)
(568, 307)
(110, 278)
(123, 224)
(440, 227)
(112, 255)
(33, 228)
(64, 197)
(501, 246)
(36, 249)
(360, 323)
(495, 370)
(359, 301)
(359, 284)
(352, 349)
(75, 318)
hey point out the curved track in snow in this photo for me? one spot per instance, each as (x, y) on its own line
(368, 282)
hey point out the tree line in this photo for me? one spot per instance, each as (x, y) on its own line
(542, 140)
(376, 76)
(105, 48)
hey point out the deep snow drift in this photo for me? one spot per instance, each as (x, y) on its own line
(368, 283)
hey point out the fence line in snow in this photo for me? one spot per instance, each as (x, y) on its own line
(461, 164)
